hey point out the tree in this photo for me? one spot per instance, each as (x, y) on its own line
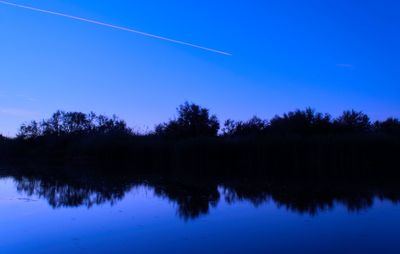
(2, 138)
(353, 121)
(254, 126)
(30, 131)
(192, 121)
(73, 123)
(302, 121)
(390, 126)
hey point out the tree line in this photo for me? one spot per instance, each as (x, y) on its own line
(301, 143)
(194, 121)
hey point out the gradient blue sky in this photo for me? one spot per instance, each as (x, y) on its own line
(331, 55)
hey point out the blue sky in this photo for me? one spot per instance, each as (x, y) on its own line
(330, 55)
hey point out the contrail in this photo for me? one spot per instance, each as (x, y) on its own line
(116, 27)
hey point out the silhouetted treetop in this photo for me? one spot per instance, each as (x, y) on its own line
(353, 121)
(192, 121)
(68, 123)
(308, 121)
(2, 138)
(302, 121)
(254, 126)
(390, 125)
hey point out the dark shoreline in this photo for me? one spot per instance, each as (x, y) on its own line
(302, 143)
(364, 155)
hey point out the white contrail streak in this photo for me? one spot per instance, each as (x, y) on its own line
(116, 27)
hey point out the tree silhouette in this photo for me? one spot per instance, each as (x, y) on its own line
(2, 138)
(192, 121)
(254, 126)
(319, 145)
(302, 121)
(353, 121)
(30, 131)
(73, 123)
(390, 126)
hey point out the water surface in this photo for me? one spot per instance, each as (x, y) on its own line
(156, 216)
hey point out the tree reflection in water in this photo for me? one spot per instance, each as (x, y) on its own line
(194, 198)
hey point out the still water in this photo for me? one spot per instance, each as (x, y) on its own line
(151, 216)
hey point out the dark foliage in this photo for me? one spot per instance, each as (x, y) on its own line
(2, 138)
(353, 121)
(297, 143)
(308, 122)
(254, 127)
(73, 123)
(389, 126)
(192, 121)
(303, 122)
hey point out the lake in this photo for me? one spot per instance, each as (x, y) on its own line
(154, 215)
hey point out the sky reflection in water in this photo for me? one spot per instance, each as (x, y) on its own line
(155, 215)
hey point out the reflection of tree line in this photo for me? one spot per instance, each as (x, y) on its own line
(195, 198)
(312, 197)
(61, 193)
